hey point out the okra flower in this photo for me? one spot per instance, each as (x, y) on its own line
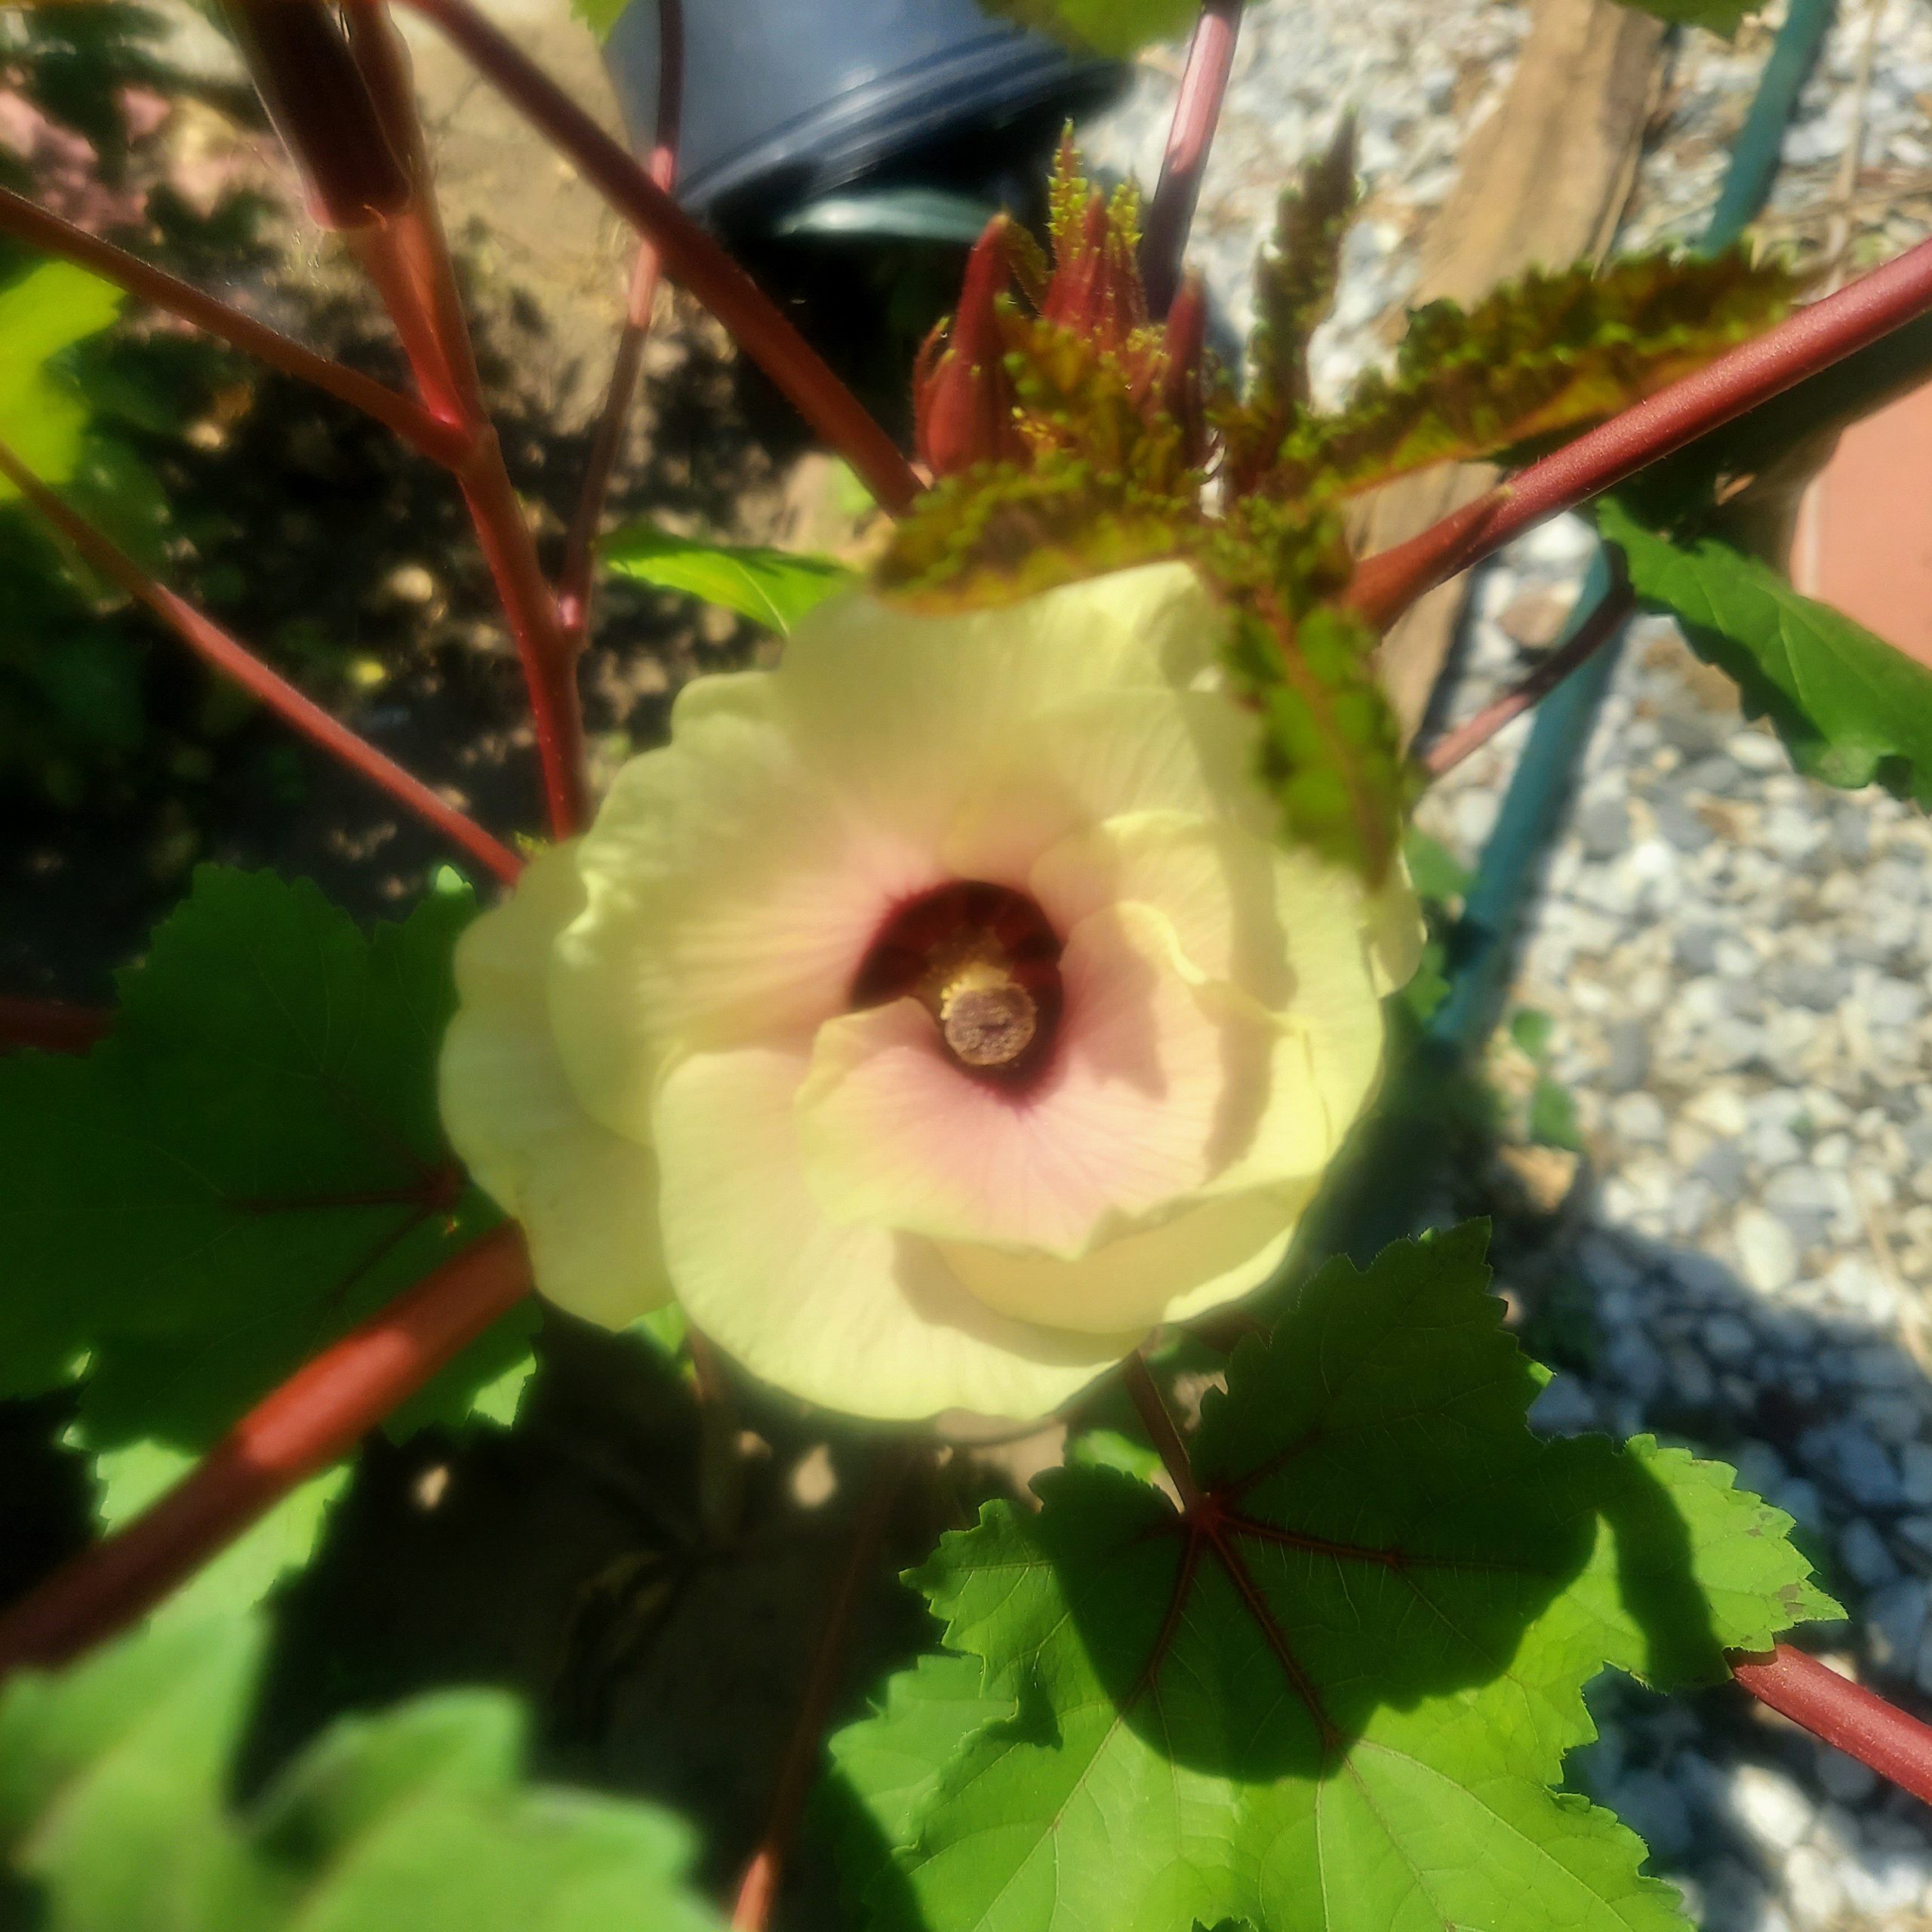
(934, 1015)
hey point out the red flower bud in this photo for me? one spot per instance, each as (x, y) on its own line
(1096, 287)
(962, 395)
(321, 105)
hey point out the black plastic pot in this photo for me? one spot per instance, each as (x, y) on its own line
(786, 101)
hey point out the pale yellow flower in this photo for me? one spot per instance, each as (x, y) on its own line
(934, 1015)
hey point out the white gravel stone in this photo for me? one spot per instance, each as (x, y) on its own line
(1767, 1254)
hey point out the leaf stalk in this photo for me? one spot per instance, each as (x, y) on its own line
(312, 1420)
(690, 257)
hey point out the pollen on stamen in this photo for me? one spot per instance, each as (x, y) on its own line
(987, 1017)
(984, 961)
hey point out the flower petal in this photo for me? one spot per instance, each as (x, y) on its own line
(1102, 754)
(1143, 1101)
(731, 893)
(861, 1318)
(912, 711)
(587, 1198)
(1197, 1259)
(1212, 881)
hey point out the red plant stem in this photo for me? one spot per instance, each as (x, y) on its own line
(690, 257)
(1162, 1430)
(1813, 338)
(1204, 85)
(234, 659)
(51, 1026)
(407, 259)
(1855, 1720)
(408, 418)
(1596, 630)
(758, 1891)
(313, 1418)
(573, 585)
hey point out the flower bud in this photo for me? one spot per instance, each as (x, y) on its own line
(321, 107)
(962, 395)
(1096, 289)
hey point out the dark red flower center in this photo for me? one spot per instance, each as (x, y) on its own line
(983, 960)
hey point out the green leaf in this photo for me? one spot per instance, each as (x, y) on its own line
(1718, 16)
(128, 1480)
(1115, 28)
(599, 15)
(43, 417)
(1436, 871)
(1545, 355)
(113, 1781)
(885, 1768)
(1552, 1122)
(773, 587)
(1851, 709)
(1338, 1695)
(250, 1164)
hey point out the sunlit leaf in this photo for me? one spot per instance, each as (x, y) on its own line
(114, 1807)
(1115, 27)
(772, 587)
(43, 416)
(1337, 1694)
(250, 1164)
(1718, 16)
(1852, 710)
(599, 15)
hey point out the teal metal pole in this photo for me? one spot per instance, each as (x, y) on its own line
(1535, 806)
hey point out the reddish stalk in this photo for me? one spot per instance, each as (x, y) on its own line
(1813, 338)
(215, 647)
(573, 585)
(758, 1891)
(407, 256)
(408, 418)
(51, 1026)
(313, 1418)
(1204, 85)
(1162, 1431)
(690, 257)
(1596, 630)
(1855, 1720)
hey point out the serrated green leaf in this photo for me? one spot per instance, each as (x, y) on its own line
(128, 1480)
(772, 587)
(43, 417)
(1549, 353)
(886, 1767)
(113, 1804)
(1336, 1697)
(1852, 710)
(1117, 28)
(249, 1165)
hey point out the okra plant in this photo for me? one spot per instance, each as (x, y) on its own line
(952, 1036)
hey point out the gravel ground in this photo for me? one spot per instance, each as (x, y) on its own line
(1733, 959)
